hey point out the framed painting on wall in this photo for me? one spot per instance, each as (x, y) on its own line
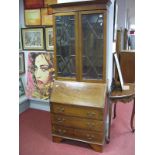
(32, 17)
(49, 38)
(40, 75)
(33, 4)
(20, 41)
(21, 63)
(21, 88)
(33, 38)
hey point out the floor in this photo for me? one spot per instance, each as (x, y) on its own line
(35, 136)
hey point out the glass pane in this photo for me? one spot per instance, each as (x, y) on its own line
(65, 46)
(92, 41)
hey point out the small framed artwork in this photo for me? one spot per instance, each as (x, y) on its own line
(49, 38)
(119, 70)
(32, 17)
(20, 40)
(21, 63)
(47, 20)
(33, 38)
(115, 20)
(29, 4)
(21, 88)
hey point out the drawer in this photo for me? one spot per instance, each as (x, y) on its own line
(90, 136)
(80, 111)
(62, 131)
(77, 122)
(78, 134)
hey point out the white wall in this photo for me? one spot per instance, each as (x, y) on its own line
(110, 42)
(126, 13)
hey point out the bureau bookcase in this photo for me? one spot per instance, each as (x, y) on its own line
(78, 99)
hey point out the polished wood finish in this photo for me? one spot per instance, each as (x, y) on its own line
(98, 148)
(125, 39)
(123, 96)
(76, 122)
(57, 139)
(118, 41)
(79, 93)
(78, 112)
(127, 64)
(70, 110)
(80, 6)
(47, 3)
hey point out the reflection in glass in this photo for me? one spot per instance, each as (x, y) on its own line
(65, 46)
(92, 49)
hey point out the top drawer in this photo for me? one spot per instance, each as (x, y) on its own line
(79, 111)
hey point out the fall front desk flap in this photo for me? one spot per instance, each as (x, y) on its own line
(79, 93)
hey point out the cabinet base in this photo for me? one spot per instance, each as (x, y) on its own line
(95, 147)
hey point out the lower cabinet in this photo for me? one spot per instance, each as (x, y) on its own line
(82, 120)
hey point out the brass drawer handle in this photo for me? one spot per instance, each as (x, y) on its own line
(60, 120)
(61, 131)
(91, 114)
(91, 125)
(90, 137)
(60, 109)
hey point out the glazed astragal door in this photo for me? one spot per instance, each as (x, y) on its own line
(65, 43)
(93, 45)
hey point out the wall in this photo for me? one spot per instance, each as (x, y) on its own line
(39, 104)
(126, 13)
(24, 103)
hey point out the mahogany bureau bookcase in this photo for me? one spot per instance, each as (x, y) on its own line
(78, 112)
(80, 39)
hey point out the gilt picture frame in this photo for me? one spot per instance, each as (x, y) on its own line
(49, 38)
(33, 38)
(21, 63)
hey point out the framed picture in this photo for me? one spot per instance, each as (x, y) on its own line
(32, 17)
(20, 40)
(49, 38)
(119, 70)
(33, 4)
(21, 63)
(21, 88)
(33, 38)
(115, 20)
(46, 19)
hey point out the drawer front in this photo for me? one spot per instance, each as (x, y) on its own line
(87, 112)
(62, 131)
(96, 137)
(75, 122)
(78, 134)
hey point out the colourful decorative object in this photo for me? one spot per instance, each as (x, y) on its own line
(40, 75)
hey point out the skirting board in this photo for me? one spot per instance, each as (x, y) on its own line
(24, 106)
(40, 105)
